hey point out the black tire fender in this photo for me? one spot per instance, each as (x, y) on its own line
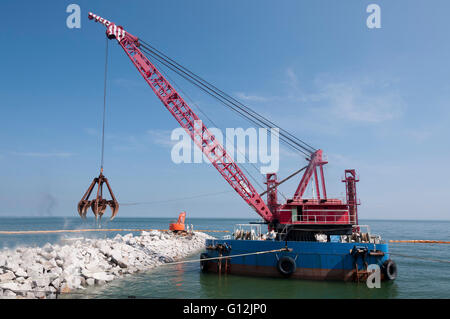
(286, 266)
(204, 263)
(390, 269)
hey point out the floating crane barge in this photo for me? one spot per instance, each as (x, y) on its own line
(322, 237)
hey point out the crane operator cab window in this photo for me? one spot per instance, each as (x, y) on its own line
(297, 213)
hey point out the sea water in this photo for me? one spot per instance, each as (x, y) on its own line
(423, 274)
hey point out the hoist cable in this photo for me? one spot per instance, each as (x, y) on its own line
(221, 98)
(255, 180)
(223, 102)
(104, 106)
(212, 122)
(301, 149)
(212, 90)
(217, 91)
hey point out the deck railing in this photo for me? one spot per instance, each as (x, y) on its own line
(323, 217)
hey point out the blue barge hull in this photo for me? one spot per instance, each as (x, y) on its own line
(313, 260)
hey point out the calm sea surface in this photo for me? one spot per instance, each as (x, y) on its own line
(417, 278)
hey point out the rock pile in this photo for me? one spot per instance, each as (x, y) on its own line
(41, 272)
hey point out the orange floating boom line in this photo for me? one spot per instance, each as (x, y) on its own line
(19, 232)
(420, 241)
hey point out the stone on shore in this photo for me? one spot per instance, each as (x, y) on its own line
(7, 276)
(20, 272)
(41, 272)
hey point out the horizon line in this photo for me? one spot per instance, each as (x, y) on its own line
(229, 218)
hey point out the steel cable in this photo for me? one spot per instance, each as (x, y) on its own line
(224, 103)
(217, 91)
(104, 106)
(213, 123)
(246, 113)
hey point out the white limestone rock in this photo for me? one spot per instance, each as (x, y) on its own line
(8, 294)
(34, 270)
(154, 233)
(100, 282)
(92, 266)
(116, 271)
(48, 255)
(83, 281)
(42, 282)
(56, 271)
(105, 249)
(116, 257)
(20, 272)
(118, 238)
(131, 241)
(20, 280)
(39, 294)
(73, 282)
(87, 273)
(23, 289)
(102, 276)
(30, 295)
(56, 283)
(12, 264)
(49, 264)
(89, 262)
(127, 236)
(10, 286)
(48, 248)
(7, 276)
(2, 261)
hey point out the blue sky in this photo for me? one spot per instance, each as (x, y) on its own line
(373, 99)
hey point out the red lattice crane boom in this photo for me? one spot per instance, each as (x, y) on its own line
(298, 212)
(186, 117)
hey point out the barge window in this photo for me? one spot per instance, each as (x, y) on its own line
(297, 213)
